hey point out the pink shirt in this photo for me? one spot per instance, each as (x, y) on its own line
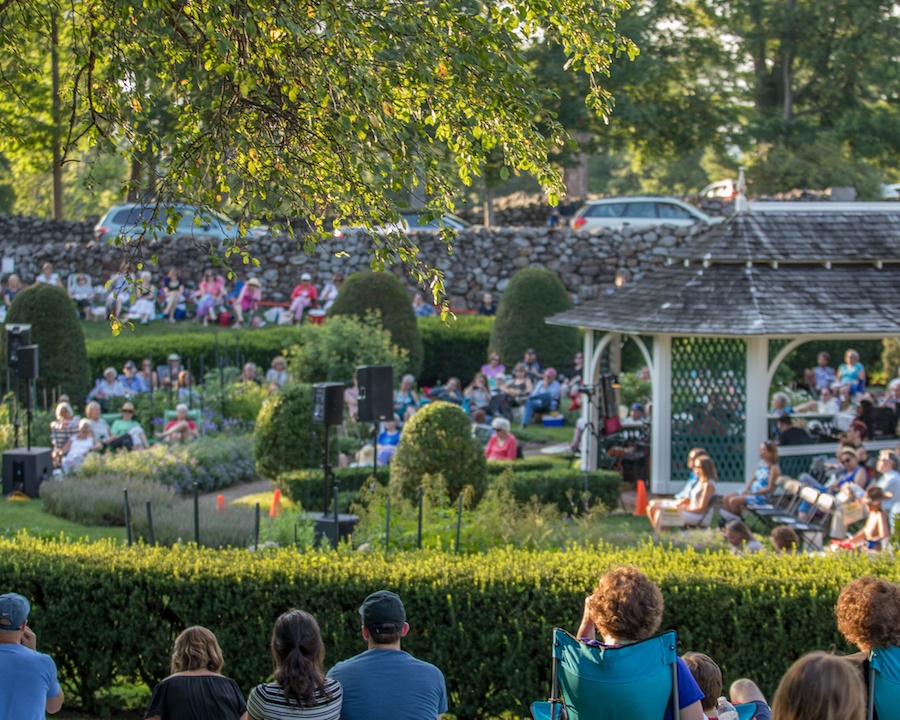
(508, 451)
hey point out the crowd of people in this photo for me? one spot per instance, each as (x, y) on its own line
(625, 608)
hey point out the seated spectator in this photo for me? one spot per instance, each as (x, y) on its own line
(390, 435)
(820, 686)
(132, 380)
(864, 410)
(479, 393)
(888, 468)
(47, 276)
(210, 297)
(788, 434)
(571, 381)
(420, 307)
(876, 533)
(351, 399)
(278, 372)
(488, 307)
(544, 397)
(148, 374)
(759, 488)
(532, 366)
(636, 416)
(82, 293)
(827, 404)
(786, 540)
(144, 308)
(854, 472)
(303, 297)
(692, 463)
(173, 288)
(502, 445)
(709, 679)
(780, 404)
(126, 432)
(180, 430)
(494, 371)
(107, 387)
(184, 389)
(851, 376)
(62, 430)
(694, 507)
(625, 608)
(406, 401)
(99, 426)
(79, 446)
(481, 431)
(821, 376)
(168, 374)
(868, 616)
(451, 392)
(513, 393)
(247, 301)
(740, 539)
(248, 374)
(892, 396)
(330, 291)
(118, 289)
(13, 288)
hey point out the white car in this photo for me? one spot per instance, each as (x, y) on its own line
(890, 192)
(721, 189)
(639, 212)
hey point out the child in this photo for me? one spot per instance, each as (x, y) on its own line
(709, 678)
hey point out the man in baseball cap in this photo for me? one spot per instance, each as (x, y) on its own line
(30, 687)
(365, 677)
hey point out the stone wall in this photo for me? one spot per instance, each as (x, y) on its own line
(482, 260)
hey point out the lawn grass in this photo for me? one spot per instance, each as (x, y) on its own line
(29, 515)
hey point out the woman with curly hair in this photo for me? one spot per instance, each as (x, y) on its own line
(301, 689)
(196, 689)
(625, 608)
(820, 686)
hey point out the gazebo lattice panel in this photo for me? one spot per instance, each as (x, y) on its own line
(709, 403)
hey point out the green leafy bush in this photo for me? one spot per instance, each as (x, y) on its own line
(285, 438)
(438, 440)
(455, 348)
(753, 615)
(332, 351)
(100, 499)
(55, 327)
(307, 486)
(365, 292)
(211, 462)
(532, 295)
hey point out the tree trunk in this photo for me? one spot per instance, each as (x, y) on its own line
(576, 176)
(488, 204)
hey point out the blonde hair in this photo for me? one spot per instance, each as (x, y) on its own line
(197, 649)
(820, 686)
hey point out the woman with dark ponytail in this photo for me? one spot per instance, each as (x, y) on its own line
(301, 689)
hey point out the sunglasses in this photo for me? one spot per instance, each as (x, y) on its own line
(845, 461)
(127, 411)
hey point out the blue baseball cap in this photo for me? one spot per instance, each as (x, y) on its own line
(14, 611)
(383, 611)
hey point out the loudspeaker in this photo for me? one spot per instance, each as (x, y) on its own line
(28, 362)
(376, 392)
(24, 470)
(16, 337)
(328, 403)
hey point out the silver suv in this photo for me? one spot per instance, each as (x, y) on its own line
(639, 212)
(134, 221)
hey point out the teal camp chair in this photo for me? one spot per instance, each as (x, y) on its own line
(884, 683)
(622, 683)
(746, 711)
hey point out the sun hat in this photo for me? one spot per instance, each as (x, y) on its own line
(174, 357)
(255, 282)
(849, 450)
(383, 609)
(108, 371)
(306, 276)
(14, 611)
(126, 406)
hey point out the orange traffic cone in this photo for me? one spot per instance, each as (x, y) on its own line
(276, 503)
(640, 507)
(220, 503)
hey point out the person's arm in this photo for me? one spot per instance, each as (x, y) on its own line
(68, 446)
(693, 712)
(586, 629)
(54, 704)
(705, 498)
(861, 477)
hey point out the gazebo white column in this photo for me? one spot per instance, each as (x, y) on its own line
(757, 393)
(589, 409)
(661, 415)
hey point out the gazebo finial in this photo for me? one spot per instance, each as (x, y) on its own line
(740, 201)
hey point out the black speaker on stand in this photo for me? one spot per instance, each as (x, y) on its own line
(376, 398)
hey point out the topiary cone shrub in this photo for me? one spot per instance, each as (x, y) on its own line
(366, 291)
(532, 295)
(438, 439)
(283, 438)
(62, 357)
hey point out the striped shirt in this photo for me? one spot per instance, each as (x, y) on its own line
(267, 702)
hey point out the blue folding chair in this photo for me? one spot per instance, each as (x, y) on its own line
(884, 683)
(621, 683)
(746, 711)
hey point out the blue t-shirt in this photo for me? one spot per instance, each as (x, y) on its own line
(390, 685)
(29, 680)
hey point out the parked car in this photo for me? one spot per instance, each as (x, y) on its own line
(412, 221)
(721, 189)
(890, 192)
(638, 212)
(132, 221)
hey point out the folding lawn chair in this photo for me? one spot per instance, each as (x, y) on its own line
(822, 506)
(621, 683)
(884, 683)
(783, 503)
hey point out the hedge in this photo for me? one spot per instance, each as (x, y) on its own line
(484, 619)
(541, 478)
(457, 348)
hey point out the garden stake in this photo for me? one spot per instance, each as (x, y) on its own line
(127, 519)
(237, 351)
(151, 538)
(458, 521)
(45, 399)
(387, 526)
(190, 386)
(203, 387)
(295, 534)
(197, 513)
(337, 525)
(419, 533)
(256, 529)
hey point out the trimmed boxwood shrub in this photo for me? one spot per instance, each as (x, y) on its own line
(455, 348)
(532, 295)
(438, 439)
(485, 619)
(55, 327)
(367, 291)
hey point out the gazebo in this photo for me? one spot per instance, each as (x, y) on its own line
(715, 322)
